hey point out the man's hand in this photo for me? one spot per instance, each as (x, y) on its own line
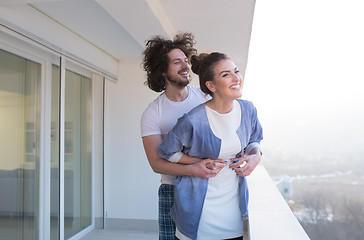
(216, 164)
(189, 166)
(207, 168)
(245, 165)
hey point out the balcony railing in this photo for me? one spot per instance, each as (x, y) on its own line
(269, 215)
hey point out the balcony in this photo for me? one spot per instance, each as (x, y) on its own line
(269, 216)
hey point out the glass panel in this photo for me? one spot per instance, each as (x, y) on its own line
(77, 186)
(54, 231)
(19, 147)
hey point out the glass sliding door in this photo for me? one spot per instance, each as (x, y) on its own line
(19, 147)
(45, 173)
(77, 153)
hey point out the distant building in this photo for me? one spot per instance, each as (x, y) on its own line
(285, 186)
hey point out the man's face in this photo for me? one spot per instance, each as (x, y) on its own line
(178, 73)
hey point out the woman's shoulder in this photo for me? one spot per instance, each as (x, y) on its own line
(246, 105)
(244, 102)
(195, 114)
(197, 111)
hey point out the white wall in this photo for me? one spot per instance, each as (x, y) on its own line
(130, 184)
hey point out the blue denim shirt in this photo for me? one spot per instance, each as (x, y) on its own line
(193, 136)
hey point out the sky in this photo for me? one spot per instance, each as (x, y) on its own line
(305, 75)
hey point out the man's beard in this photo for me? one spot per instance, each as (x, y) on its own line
(178, 82)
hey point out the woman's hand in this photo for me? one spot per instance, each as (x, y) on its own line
(244, 166)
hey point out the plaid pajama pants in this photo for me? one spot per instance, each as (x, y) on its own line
(167, 228)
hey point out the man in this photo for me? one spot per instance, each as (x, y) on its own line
(166, 63)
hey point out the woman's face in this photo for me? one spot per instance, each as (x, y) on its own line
(227, 83)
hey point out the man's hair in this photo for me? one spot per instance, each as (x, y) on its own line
(155, 60)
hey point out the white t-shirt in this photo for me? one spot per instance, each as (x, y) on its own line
(221, 217)
(162, 114)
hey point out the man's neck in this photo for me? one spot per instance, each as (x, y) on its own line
(176, 94)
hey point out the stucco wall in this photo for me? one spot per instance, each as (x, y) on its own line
(130, 184)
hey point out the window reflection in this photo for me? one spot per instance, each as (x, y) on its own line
(19, 147)
(77, 155)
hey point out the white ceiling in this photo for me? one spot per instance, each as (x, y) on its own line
(120, 27)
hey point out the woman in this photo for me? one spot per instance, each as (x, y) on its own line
(224, 127)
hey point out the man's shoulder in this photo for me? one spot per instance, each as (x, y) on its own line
(197, 94)
(161, 97)
(196, 90)
(156, 102)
